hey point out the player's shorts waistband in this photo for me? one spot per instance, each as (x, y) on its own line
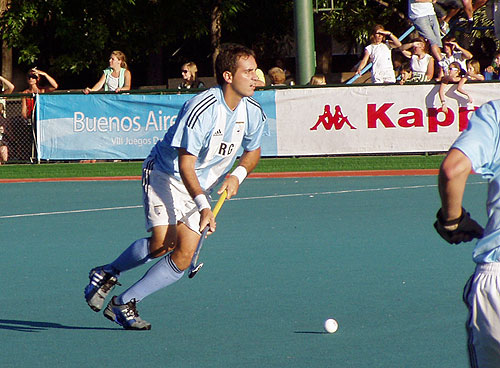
(493, 267)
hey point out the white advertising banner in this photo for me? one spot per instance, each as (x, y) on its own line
(374, 119)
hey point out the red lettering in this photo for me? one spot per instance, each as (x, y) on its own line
(463, 117)
(380, 114)
(434, 122)
(416, 118)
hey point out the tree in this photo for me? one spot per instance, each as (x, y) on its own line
(352, 22)
(73, 39)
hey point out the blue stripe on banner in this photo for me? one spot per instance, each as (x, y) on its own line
(117, 126)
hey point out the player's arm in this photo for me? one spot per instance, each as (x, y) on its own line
(363, 62)
(248, 162)
(430, 69)
(460, 88)
(404, 48)
(453, 222)
(443, 84)
(393, 40)
(187, 171)
(453, 175)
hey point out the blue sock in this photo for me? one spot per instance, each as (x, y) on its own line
(162, 274)
(135, 255)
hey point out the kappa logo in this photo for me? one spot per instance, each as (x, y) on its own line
(218, 133)
(330, 121)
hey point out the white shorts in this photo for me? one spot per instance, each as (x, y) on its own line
(166, 200)
(482, 296)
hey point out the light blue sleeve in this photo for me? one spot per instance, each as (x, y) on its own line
(479, 142)
(253, 136)
(192, 136)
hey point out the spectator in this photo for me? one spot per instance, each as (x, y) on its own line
(116, 77)
(189, 72)
(277, 76)
(453, 7)
(7, 89)
(445, 10)
(406, 75)
(455, 74)
(491, 71)
(421, 63)
(453, 52)
(262, 79)
(7, 86)
(288, 75)
(474, 70)
(4, 149)
(33, 77)
(423, 16)
(317, 80)
(379, 53)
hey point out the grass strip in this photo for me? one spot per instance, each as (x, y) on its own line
(133, 168)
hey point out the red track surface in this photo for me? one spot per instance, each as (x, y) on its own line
(297, 174)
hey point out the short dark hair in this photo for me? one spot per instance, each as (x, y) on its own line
(228, 57)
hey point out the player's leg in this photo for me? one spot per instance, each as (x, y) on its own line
(478, 3)
(468, 9)
(104, 278)
(482, 296)
(161, 220)
(143, 250)
(122, 309)
(168, 270)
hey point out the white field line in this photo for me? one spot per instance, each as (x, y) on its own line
(274, 196)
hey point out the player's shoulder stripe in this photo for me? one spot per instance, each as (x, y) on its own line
(199, 108)
(254, 102)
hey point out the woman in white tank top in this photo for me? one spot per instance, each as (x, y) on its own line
(116, 77)
(422, 64)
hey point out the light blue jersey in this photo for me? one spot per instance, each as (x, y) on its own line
(481, 144)
(209, 130)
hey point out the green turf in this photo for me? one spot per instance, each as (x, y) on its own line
(66, 170)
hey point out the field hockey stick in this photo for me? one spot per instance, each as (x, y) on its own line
(193, 267)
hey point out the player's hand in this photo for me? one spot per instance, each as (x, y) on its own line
(462, 229)
(231, 184)
(207, 218)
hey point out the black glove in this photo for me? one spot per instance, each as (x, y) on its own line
(462, 229)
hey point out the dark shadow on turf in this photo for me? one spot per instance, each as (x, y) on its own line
(32, 326)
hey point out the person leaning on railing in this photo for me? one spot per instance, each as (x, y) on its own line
(116, 77)
(33, 77)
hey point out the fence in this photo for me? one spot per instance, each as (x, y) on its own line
(16, 132)
(355, 119)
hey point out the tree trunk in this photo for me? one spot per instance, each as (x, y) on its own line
(215, 31)
(6, 51)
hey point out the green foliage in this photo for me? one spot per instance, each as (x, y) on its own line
(353, 20)
(75, 36)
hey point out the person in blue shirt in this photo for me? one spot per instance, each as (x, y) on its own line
(477, 149)
(181, 171)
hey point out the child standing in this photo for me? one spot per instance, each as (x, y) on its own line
(379, 53)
